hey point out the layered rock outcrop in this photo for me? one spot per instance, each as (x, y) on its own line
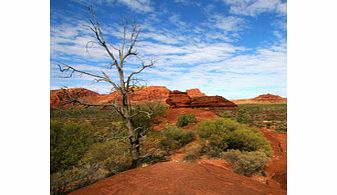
(64, 98)
(211, 101)
(178, 99)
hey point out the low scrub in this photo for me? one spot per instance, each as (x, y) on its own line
(186, 119)
(220, 135)
(175, 138)
(243, 117)
(192, 155)
(68, 143)
(246, 163)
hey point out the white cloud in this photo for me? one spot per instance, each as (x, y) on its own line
(255, 7)
(228, 24)
(138, 5)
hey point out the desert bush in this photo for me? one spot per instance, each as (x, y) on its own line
(185, 119)
(243, 117)
(68, 143)
(65, 181)
(222, 134)
(249, 139)
(175, 138)
(246, 163)
(112, 155)
(215, 135)
(193, 154)
(151, 149)
(227, 114)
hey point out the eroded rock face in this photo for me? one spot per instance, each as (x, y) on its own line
(211, 101)
(195, 93)
(63, 98)
(144, 94)
(178, 99)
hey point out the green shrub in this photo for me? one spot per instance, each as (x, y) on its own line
(65, 181)
(243, 117)
(226, 114)
(175, 138)
(192, 155)
(68, 143)
(246, 163)
(185, 119)
(249, 139)
(215, 135)
(113, 156)
(222, 134)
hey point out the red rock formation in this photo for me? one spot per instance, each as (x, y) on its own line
(211, 101)
(194, 93)
(63, 98)
(178, 99)
(262, 99)
(270, 98)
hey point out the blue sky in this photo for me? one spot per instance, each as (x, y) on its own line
(233, 48)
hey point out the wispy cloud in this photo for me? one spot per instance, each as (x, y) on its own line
(255, 7)
(138, 5)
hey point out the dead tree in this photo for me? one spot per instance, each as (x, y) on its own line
(118, 57)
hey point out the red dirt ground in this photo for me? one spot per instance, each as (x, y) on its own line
(178, 178)
(276, 169)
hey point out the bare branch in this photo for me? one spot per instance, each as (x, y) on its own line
(138, 71)
(105, 77)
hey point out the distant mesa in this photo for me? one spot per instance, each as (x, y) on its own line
(269, 97)
(261, 99)
(64, 98)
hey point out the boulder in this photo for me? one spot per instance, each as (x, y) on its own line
(211, 101)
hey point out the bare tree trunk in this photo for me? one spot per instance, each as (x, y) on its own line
(134, 143)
